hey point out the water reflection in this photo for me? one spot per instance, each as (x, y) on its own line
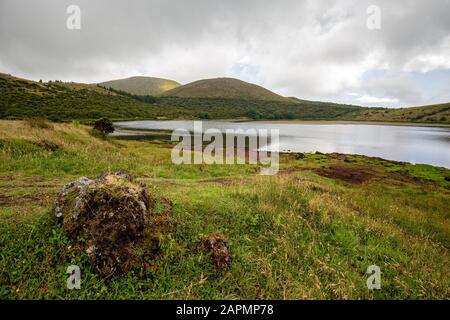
(429, 145)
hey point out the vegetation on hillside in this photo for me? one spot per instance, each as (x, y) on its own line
(224, 88)
(62, 101)
(141, 85)
(59, 101)
(439, 113)
(309, 232)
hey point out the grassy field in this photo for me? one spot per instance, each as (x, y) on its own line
(309, 232)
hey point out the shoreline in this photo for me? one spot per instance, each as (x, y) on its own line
(306, 122)
(349, 122)
(157, 135)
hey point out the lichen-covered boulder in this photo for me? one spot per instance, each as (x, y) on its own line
(106, 217)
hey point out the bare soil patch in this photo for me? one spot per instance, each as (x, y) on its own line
(39, 199)
(353, 175)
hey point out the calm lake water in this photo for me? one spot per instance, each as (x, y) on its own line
(425, 145)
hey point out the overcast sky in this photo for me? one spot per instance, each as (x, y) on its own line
(319, 50)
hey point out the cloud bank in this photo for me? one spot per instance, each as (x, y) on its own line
(319, 50)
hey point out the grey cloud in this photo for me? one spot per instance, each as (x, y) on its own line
(397, 86)
(311, 49)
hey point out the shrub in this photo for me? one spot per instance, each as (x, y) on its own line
(203, 115)
(104, 126)
(253, 114)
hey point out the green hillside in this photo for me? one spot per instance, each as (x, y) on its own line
(439, 113)
(66, 101)
(20, 98)
(58, 101)
(224, 88)
(141, 85)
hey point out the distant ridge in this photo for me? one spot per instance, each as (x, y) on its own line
(141, 85)
(224, 88)
(437, 113)
(66, 101)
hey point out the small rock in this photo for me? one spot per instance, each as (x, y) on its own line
(216, 245)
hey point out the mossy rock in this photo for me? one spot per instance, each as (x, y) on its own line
(110, 218)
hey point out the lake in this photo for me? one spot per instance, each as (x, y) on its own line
(414, 144)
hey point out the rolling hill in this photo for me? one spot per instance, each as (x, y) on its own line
(141, 85)
(63, 101)
(66, 101)
(224, 88)
(432, 113)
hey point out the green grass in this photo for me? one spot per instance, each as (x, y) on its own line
(296, 235)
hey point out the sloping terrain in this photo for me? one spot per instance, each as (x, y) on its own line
(141, 85)
(224, 88)
(67, 101)
(21, 98)
(439, 113)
